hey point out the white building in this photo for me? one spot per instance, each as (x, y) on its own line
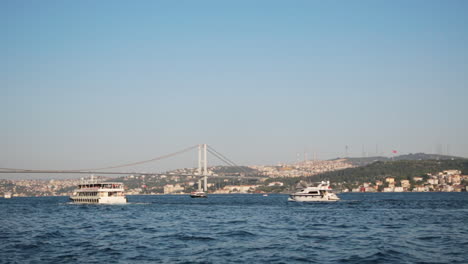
(169, 188)
(275, 184)
(388, 189)
(239, 188)
(451, 172)
(433, 181)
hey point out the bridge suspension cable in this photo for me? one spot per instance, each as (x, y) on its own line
(110, 167)
(225, 159)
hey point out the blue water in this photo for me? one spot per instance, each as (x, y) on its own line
(361, 228)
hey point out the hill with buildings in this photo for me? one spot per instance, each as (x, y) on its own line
(399, 170)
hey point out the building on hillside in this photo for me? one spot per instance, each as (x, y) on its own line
(275, 184)
(442, 180)
(420, 188)
(169, 188)
(222, 191)
(455, 179)
(134, 191)
(238, 189)
(405, 184)
(450, 172)
(447, 188)
(390, 180)
(433, 181)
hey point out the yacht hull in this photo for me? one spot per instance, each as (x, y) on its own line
(310, 198)
(198, 195)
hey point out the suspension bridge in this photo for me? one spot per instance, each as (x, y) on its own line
(202, 171)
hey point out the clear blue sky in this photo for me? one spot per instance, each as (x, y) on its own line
(91, 83)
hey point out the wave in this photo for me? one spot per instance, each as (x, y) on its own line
(189, 237)
(237, 233)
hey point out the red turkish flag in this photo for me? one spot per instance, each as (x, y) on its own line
(394, 151)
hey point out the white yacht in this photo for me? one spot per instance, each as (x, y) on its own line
(7, 195)
(320, 193)
(94, 191)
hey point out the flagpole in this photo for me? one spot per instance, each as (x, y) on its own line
(393, 154)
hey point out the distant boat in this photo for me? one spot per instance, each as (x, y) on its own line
(265, 195)
(94, 191)
(320, 193)
(7, 195)
(198, 194)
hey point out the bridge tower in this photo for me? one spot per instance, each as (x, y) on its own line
(202, 160)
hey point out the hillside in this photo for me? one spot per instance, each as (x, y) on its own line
(416, 156)
(229, 170)
(400, 169)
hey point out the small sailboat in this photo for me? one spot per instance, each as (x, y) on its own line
(199, 193)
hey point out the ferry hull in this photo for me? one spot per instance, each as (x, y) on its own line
(99, 200)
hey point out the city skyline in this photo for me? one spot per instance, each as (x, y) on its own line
(88, 84)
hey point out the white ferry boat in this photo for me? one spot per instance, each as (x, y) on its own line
(320, 193)
(94, 191)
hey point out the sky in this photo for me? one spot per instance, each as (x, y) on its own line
(89, 84)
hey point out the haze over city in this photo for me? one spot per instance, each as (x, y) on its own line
(97, 83)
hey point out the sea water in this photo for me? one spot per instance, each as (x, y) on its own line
(250, 228)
